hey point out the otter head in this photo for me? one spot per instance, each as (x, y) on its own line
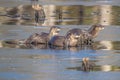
(54, 31)
(36, 7)
(74, 36)
(86, 59)
(95, 29)
(98, 27)
(71, 39)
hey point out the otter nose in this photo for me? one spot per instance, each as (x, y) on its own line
(102, 28)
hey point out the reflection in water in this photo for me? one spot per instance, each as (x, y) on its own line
(86, 65)
(108, 45)
(39, 56)
(104, 45)
(38, 12)
(107, 68)
(90, 65)
(23, 15)
(106, 16)
(14, 44)
(57, 15)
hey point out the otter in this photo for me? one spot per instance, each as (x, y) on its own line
(64, 41)
(87, 65)
(43, 37)
(87, 36)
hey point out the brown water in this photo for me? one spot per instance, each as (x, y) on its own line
(38, 62)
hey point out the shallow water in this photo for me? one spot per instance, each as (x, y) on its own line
(38, 62)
